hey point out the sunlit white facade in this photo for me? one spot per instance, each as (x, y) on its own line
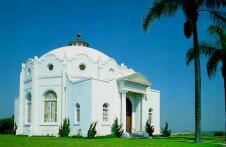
(84, 85)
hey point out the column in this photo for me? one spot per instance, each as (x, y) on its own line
(141, 113)
(123, 109)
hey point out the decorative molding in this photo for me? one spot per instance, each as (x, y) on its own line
(45, 57)
(111, 59)
(29, 60)
(49, 124)
(27, 80)
(124, 91)
(50, 77)
(23, 66)
(152, 90)
(105, 124)
(27, 124)
(84, 79)
(27, 89)
(76, 124)
(132, 90)
(48, 85)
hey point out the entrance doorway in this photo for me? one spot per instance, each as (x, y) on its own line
(128, 115)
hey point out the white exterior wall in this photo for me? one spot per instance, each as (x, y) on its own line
(76, 74)
(80, 92)
(42, 81)
(152, 101)
(91, 88)
(16, 111)
(104, 92)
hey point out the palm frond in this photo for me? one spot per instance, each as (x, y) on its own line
(215, 4)
(207, 48)
(212, 63)
(190, 55)
(214, 29)
(160, 8)
(219, 18)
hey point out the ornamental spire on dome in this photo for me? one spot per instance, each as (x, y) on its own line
(78, 34)
(79, 41)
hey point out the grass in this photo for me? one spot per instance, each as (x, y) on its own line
(174, 141)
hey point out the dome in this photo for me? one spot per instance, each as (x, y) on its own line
(71, 52)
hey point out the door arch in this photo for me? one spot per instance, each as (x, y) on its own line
(128, 115)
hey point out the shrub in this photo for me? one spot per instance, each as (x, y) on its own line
(64, 129)
(149, 129)
(219, 133)
(116, 128)
(92, 130)
(166, 131)
(7, 125)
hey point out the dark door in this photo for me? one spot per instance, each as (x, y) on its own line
(128, 116)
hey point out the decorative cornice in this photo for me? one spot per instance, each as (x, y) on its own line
(82, 80)
(50, 77)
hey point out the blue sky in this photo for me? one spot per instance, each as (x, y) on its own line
(30, 28)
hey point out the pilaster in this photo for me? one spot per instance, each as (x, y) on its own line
(63, 93)
(21, 101)
(34, 100)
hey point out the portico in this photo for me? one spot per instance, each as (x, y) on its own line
(132, 90)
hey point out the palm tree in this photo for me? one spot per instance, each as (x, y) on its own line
(216, 53)
(191, 10)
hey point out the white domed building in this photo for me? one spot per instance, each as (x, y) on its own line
(83, 85)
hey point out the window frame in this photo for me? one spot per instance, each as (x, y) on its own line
(77, 114)
(50, 67)
(105, 113)
(82, 66)
(50, 103)
(28, 108)
(150, 115)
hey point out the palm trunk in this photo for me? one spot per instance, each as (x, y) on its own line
(197, 86)
(224, 77)
(224, 108)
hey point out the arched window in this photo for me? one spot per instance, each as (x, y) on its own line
(150, 115)
(77, 112)
(105, 112)
(28, 100)
(50, 106)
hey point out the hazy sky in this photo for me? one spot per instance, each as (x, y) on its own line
(31, 28)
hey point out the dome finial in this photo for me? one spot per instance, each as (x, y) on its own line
(78, 34)
(79, 41)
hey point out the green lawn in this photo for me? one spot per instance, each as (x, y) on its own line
(174, 141)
